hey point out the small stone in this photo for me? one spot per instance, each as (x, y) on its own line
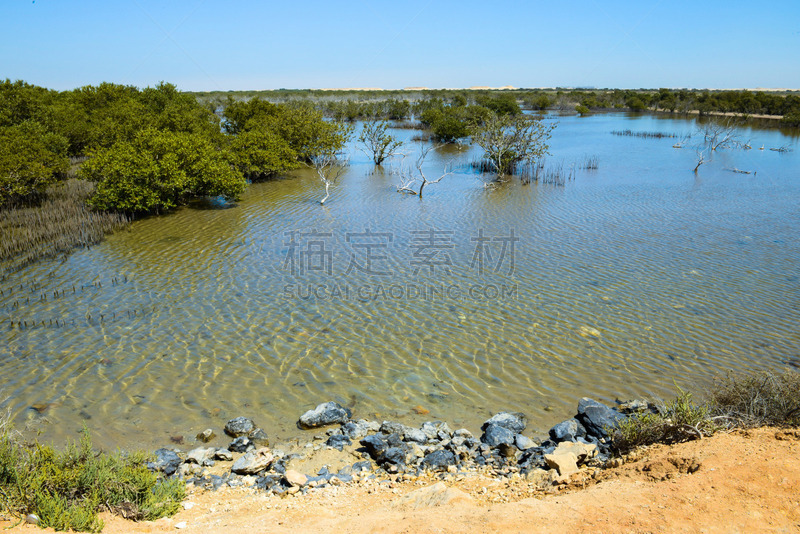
(241, 444)
(327, 413)
(295, 478)
(33, 519)
(523, 443)
(253, 462)
(568, 430)
(200, 455)
(359, 429)
(259, 438)
(419, 410)
(338, 441)
(240, 426)
(181, 525)
(166, 461)
(188, 505)
(206, 435)
(415, 435)
(439, 460)
(416, 450)
(223, 455)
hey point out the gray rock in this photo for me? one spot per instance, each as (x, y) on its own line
(241, 426)
(436, 430)
(359, 429)
(515, 421)
(375, 445)
(338, 441)
(596, 417)
(415, 435)
(241, 444)
(200, 455)
(439, 460)
(394, 456)
(523, 443)
(327, 413)
(495, 435)
(457, 441)
(206, 435)
(364, 465)
(391, 427)
(166, 461)
(636, 406)
(463, 432)
(259, 438)
(223, 455)
(568, 430)
(253, 462)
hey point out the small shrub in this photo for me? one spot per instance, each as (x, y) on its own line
(763, 398)
(67, 489)
(680, 420)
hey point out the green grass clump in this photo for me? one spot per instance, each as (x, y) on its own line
(67, 489)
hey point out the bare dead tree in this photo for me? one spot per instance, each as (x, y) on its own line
(329, 168)
(409, 176)
(720, 135)
(701, 158)
(377, 143)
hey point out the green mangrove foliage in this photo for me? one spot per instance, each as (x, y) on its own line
(301, 125)
(31, 159)
(160, 170)
(509, 140)
(67, 489)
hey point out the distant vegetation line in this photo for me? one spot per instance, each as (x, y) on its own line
(352, 105)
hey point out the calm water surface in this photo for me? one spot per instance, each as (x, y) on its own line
(633, 279)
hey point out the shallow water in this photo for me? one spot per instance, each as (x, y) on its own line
(633, 279)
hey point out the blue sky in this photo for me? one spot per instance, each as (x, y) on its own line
(212, 45)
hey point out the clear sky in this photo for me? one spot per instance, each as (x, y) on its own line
(215, 45)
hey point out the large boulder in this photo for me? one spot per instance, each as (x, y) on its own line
(596, 417)
(327, 413)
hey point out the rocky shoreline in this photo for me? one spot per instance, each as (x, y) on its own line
(361, 451)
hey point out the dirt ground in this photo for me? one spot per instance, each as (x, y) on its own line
(740, 482)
